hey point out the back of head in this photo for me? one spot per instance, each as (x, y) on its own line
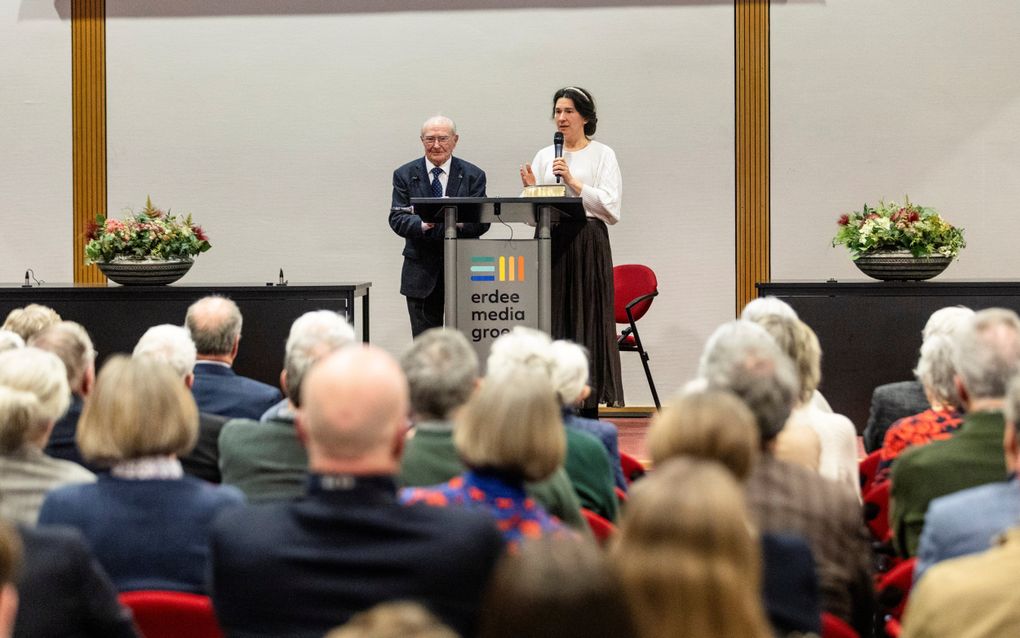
(171, 345)
(688, 560)
(10, 340)
(569, 371)
(520, 347)
(215, 325)
(401, 619)
(42, 375)
(69, 341)
(555, 587)
(709, 424)
(936, 369)
(29, 320)
(312, 336)
(742, 358)
(796, 339)
(767, 306)
(19, 419)
(139, 408)
(353, 404)
(987, 352)
(946, 321)
(512, 425)
(442, 369)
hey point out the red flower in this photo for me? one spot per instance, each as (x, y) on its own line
(199, 233)
(913, 217)
(844, 220)
(91, 231)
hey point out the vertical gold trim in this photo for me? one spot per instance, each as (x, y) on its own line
(751, 70)
(88, 114)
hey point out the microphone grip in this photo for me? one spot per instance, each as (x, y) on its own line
(558, 152)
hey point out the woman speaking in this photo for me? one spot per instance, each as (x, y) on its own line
(582, 272)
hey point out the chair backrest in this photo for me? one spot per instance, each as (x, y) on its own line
(170, 614)
(868, 468)
(632, 468)
(630, 281)
(876, 511)
(835, 627)
(601, 528)
(893, 588)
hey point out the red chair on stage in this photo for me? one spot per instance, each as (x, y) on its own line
(634, 288)
(834, 627)
(600, 527)
(171, 614)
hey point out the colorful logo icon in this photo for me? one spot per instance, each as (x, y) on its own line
(502, 268)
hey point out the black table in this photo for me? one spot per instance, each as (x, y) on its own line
(117, 316)
(870, 331)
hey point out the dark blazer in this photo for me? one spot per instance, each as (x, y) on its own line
(64, 592)
(423, 253)
(220, 390)
(62, 443)
(890, 403)
(204, 460)
(299, 568)
(790, 584)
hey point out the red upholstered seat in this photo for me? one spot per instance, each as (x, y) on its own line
(834, 627)
(634, 288)
(632, 468)
(601, 528)
(172, 614)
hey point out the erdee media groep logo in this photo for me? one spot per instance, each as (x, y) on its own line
(502, 268)
(497, 306)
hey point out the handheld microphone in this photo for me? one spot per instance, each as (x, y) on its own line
(557, 148)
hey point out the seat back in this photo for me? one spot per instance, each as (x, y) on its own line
(876, 511)
(600, 527)
(867, 469)
(170, 614)
(631, 281)
(893, 588)
(835, 627)
(632, 468)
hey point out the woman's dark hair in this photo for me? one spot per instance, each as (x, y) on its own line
(583, 102)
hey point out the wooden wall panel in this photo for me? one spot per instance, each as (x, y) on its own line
(88, 112)
(751, 66)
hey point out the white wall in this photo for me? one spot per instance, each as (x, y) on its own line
(280, 133)
(874, 99)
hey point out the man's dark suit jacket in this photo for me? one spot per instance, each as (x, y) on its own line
(219, 390)
(890, 403)
(204, 460)
(62, 443)
(64, 592)
(423, 252)
(299, 568)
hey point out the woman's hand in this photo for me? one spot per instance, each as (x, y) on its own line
(561, 169)
(527, 177)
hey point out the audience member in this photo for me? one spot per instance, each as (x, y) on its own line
(587, 462)
(893, 401)
(509, 432)
(742, 358)
(442, 373)
(555, 587)
(838, 438)
(64, 591)
(215, 327)
(33, 395)
(69, 341)
(29, 320)
(10, 563)
(937, 374)
(968, 521)
(266, 460)
(10, 340)
(399, 619)
(172, 345)
(570, 379)
(715, 425)
(987, 355)
(302, 567)
(146, 522)
(685, 552)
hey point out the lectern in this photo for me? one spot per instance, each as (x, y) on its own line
(494, 284)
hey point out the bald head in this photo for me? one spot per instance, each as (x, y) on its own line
(215, 325)
(353, 408)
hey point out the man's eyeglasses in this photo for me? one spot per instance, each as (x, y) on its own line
(432, 139)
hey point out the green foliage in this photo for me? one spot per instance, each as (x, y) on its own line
(149, 234)
(891, 226)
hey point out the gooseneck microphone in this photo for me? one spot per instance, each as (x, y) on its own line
(557, 148)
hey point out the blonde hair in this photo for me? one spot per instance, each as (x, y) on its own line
(42, 375)
(686, 555)
(69, 341)
(708, 424)
(29, 320)
(19, 418)
(138, 408)
(398, 619)
(799, 342)
(513, 425)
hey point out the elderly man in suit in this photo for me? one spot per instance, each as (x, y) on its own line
(437, 174)
(215, 326)
(301, 567)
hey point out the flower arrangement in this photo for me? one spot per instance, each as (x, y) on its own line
(147, 235)
(891, 226)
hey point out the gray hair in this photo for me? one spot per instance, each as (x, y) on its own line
(31, 319)
(521, 347)
(767, 306)
(69, 341)
(10, 340)
(215, 324)
(441, 369)
(39, 373)
(936, 370)
(440, 120)
(987, 352)
(168, 344)
(946, 321)
(1012, 407)
(742, 358)
(312, 336)
(570, 370)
